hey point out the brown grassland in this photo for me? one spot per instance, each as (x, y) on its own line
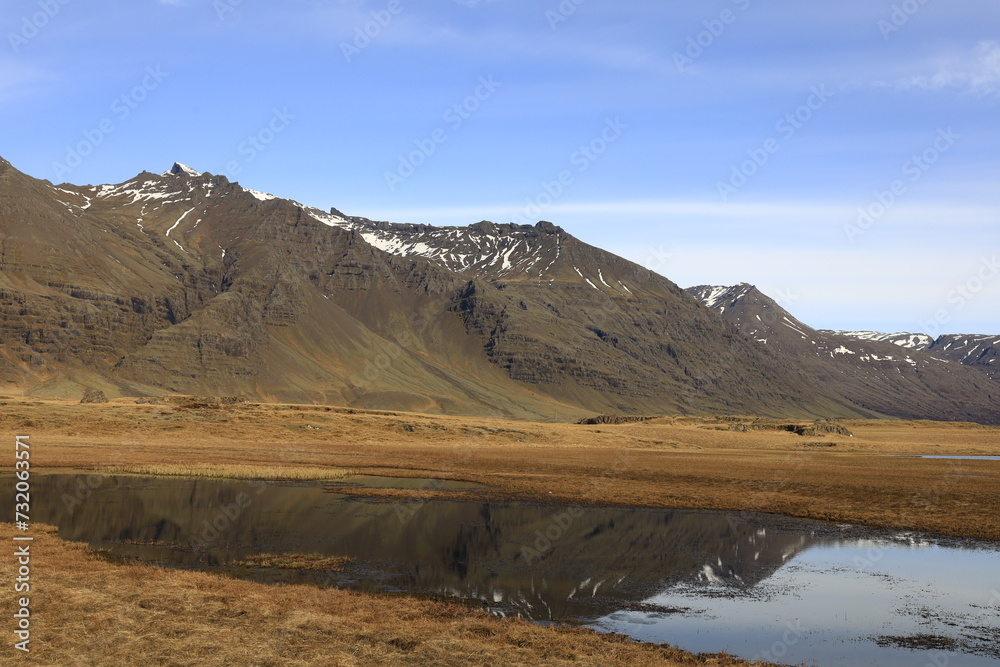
(88, 611)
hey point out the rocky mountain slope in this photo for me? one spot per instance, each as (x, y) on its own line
(977, 351)
(185, 282)
(892, 376)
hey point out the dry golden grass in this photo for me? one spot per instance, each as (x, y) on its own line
(316, 562)
(89, 612)
(230, 472)
(683, 462)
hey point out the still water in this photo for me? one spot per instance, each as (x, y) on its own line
(758, 586)
(964, 458)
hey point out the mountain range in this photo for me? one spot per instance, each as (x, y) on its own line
(978, 351)
(188, 283)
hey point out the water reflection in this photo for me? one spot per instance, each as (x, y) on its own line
(705, 581)
(543, 563)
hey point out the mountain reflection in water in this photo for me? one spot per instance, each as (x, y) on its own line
(543, 563)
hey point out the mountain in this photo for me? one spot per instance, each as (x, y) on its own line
(921, 342)
(974, 350)
(186, 282)
(887, 375)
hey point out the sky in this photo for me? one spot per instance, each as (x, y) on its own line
(844, 157)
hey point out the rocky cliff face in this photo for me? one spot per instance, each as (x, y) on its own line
(186, 282)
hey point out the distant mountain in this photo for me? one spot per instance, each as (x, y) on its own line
(910, 341)
(975, 350)
(186, 282)
(888, 377)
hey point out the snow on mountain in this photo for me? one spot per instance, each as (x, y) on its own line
(908, 340)
(716, 297)
(484, 247)
(513, 319)
(179, 168)
(488, 249)
(976, 350)
(767, 323)
(257, 194)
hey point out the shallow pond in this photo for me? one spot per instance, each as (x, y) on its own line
(755, 585)
(963, 458)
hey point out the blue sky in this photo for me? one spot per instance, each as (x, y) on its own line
(714, 142)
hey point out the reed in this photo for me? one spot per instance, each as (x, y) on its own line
(317, 562)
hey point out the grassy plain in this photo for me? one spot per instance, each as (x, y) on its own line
(93, 612)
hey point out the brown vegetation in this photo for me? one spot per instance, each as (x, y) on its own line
(89, 612)
(93, 612)
(682, 462)
(316, 562)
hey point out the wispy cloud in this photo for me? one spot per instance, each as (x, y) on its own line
(977, 72)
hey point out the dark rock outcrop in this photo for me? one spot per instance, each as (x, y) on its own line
(93, 396)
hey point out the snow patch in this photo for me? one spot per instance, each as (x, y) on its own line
(257, 194)
(714, 296)
(328, 219)
(177, 223)
(600, 274)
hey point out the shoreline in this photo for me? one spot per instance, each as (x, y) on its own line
(695, 463)
(496, 496)
(869, 478)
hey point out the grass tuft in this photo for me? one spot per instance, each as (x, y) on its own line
(315, 562)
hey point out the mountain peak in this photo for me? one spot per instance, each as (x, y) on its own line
(182, 169)
(548, 227)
